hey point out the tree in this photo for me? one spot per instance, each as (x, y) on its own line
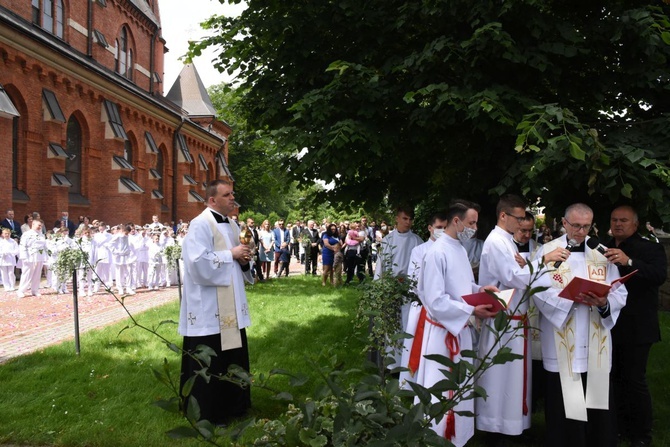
(395, 100)
(260, 182)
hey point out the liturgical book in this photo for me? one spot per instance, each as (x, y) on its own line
(582, 285)
(500, 300)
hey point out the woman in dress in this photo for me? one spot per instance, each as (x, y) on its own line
(331, 245)
(265, 254)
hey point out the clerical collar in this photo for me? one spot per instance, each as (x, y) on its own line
(523, 248)
(219, 217)
(578, 248)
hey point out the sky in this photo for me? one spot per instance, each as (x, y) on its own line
(180, 21)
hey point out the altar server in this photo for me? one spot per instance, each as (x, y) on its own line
(445, 276)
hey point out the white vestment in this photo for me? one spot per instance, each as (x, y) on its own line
(535, 251)
(206, 269)
(395, 254)
(446, 276)
(505, 410)
(557, 312)
(413, 271)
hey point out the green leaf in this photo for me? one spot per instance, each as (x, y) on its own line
(192, 409)
(627, 190)
(577, 152)
(422, 393)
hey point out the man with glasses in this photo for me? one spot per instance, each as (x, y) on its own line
(507, 409)
(576, 341)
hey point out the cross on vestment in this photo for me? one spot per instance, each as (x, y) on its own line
(191, 318)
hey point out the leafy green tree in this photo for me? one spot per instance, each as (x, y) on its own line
(396, 100)
(261, 184)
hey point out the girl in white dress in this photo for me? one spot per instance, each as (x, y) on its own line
(9, 250)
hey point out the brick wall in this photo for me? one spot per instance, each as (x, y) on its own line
(27, 65)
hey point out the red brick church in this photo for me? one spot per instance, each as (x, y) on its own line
(84, 124)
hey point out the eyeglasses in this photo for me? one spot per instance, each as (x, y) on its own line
(576, 227)
(518, 219)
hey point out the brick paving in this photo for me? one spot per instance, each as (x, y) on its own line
(32, 323)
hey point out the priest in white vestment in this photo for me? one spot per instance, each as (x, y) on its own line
(507, 409)
(214, 309)
(445, 276)
(576, 342)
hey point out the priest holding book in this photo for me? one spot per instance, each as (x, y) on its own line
(576, 341)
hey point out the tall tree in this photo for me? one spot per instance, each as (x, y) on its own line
(398, 99)
(261, 183)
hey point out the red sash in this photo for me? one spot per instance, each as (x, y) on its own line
(524, 319)
(451, 342)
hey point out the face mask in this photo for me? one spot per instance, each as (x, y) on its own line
(437, 232)
(466, 234)
(383, 227)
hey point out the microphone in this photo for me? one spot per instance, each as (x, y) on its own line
(594, 244)
(571, 244)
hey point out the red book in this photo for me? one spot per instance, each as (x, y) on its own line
(499, 300)
(581, 285)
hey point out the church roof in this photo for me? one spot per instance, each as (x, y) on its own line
(189, 93)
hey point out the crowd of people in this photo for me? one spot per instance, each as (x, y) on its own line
(121, 257)
(344, 250)
(585, 356)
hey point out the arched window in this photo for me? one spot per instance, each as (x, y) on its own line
(128, 151)
(73, 162)
(50, 15)
(124, 55)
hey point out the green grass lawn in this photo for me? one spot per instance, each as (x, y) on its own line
(104, 396)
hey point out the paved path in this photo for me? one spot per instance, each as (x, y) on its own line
(32, 323)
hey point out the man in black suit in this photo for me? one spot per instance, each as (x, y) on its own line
(312, 249)
(14, 226)
(65, 221)
(637, 327)
(369, 240)
(295, 243)
(251, 225)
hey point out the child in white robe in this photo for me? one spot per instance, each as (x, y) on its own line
(60, 242)
(9, 250)
(156, 265)
(84, 242)
(122, 258)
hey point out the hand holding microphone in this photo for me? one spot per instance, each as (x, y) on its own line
(571, 244)
(613, 255)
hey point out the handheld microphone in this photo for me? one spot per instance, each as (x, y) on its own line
(571, 244)
(594, 244)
